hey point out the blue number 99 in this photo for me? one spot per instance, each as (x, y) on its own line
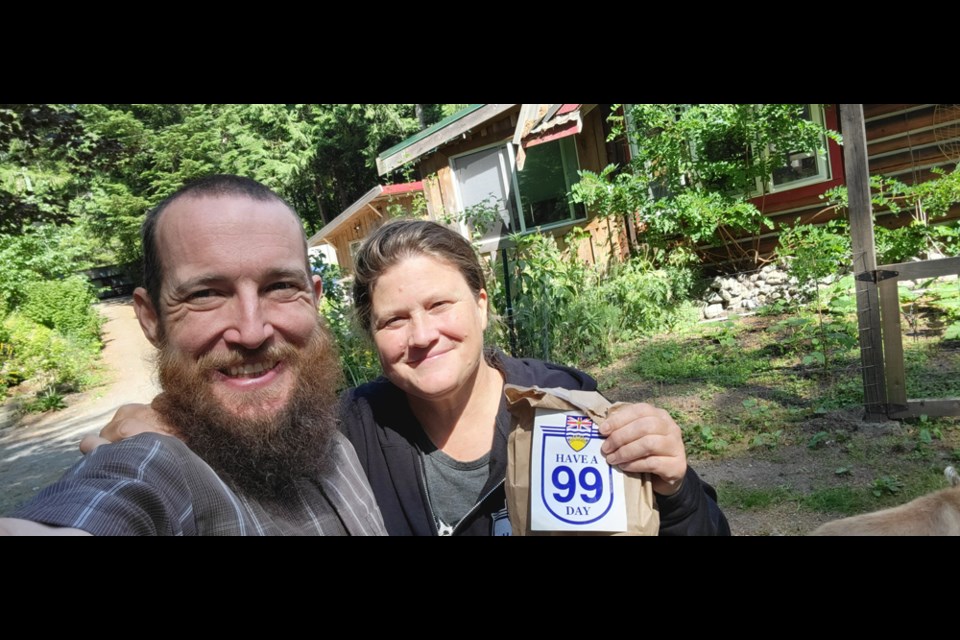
(568, 485)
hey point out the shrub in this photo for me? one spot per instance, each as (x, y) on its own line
(65, 305)
(567, 311)
(44, 354)
(357, 355)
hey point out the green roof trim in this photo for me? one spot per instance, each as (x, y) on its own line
(429, 130)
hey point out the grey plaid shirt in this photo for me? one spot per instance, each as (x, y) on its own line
(154, 485)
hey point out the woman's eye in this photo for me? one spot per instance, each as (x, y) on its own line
(393, 323)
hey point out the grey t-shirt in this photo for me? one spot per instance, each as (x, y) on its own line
(453, 486)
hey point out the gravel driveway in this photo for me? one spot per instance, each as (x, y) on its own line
(36, 449)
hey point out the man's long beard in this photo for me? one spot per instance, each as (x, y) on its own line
(259, 451)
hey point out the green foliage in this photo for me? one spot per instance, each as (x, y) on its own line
(647, 296)
(53, 359)
(65, 305)
(842, 500)
(702, 438)
(38, 253)
(926, 201)
(818, 440)
(42, 151)
(695, 168)
(478, 218)
(568, 311)
(691, 360)
(357, 355)
(48, 400)
(102, 166)
(886, 485)
(753, 498)
(557, 312)
(813, 252)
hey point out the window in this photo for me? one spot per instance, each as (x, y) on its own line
(727, 150)
(801, 167)
(490, 188)
(548, 174)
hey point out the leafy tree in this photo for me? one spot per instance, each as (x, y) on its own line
(694, 169)
(41, 147)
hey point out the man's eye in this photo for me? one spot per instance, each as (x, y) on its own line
(204, 293)
(281, 286)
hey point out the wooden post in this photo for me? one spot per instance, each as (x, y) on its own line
(864, 259)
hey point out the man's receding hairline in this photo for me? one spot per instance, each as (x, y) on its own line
(202, 195)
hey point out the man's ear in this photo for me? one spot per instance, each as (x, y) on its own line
(317, 287)
(147, 315)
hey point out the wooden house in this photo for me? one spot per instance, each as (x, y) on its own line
(508, 168)
(353, 224)
(516, 163)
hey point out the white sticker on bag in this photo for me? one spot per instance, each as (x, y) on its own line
(572, 488)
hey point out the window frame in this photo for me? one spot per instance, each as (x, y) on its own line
(827, 172)
(824, 170)
(511, 181)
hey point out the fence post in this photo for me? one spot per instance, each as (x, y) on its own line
(864, 259)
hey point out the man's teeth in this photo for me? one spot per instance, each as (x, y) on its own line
(250, 369)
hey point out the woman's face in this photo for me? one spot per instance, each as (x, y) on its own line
(428, 327)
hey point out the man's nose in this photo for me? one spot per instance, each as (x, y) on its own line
(250, 326)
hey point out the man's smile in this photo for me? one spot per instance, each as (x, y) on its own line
(252, 370)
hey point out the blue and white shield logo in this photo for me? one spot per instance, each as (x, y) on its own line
(576, 484)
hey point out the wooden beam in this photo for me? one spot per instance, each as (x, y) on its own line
(932, 408)
(892, 341)
(924, 268)
(864, 258)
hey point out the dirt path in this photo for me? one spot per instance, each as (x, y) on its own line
(36, 449)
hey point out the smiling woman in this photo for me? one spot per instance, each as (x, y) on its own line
(431, 434)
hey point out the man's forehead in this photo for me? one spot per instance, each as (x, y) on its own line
(193, 225)
(214, 206)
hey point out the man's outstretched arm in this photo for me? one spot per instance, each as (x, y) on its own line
(18, 527)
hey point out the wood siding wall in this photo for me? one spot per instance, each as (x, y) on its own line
(362, 224)
(440, 190)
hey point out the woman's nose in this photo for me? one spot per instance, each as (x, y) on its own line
(422, 330)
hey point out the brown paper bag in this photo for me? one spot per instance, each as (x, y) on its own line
(643, 519)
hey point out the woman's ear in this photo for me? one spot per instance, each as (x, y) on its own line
(482, 306)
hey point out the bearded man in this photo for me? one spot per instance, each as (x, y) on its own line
(249, 376)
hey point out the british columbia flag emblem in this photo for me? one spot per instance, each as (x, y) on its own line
(578, 431)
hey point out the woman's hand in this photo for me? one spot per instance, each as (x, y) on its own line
(644, 439)
(129, 420)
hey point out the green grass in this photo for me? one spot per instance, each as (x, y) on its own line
(840, 500)
(883, 492)
(695, 359)
(763, 498)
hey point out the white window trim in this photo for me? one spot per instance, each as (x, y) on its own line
(823, 161)
(824, 173)
(353, 247)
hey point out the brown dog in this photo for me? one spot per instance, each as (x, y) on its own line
(936, 514)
